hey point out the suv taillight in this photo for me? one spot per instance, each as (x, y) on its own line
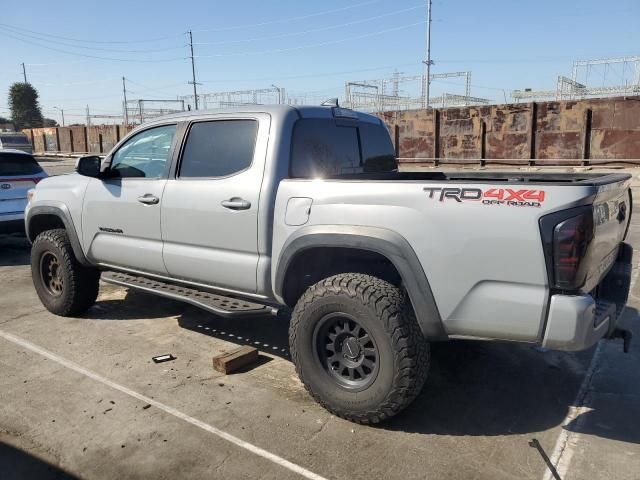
(571, 239)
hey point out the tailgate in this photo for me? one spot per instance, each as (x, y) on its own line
(13, 194)
(611, 218)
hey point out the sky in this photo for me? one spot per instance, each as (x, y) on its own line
(76, 53)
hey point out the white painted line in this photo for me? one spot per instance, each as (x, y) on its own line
(166, 408)
(565, 444)
(563, 450)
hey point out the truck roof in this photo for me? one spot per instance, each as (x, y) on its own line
(276, 111)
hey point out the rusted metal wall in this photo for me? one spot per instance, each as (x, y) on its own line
(568, 132)
(102, 138)
(79, 139)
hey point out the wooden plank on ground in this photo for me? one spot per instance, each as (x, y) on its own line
(234, 360)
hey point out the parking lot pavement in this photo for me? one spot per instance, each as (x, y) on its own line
(57, 165)
(81, 398)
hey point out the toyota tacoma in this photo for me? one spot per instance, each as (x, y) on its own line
(303, 210)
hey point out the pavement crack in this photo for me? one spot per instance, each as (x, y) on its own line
(222, 463)
(319, 431)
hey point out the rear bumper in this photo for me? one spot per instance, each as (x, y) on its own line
(577, 322)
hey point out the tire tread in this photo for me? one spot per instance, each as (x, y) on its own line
(82, 283)
(411, 350)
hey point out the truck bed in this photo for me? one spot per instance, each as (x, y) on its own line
(538, 178)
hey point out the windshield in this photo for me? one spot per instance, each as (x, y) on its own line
(13, 164)
(329, 148)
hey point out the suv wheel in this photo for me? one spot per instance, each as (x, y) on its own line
(65, 287)
(357, 347)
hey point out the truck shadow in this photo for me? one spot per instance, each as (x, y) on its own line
(267, 334)
(490, 388)
(14, 250)
(17, 464)
(473, 389)
(612, 399)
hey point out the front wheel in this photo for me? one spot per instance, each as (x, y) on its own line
(65, 287)
(357, 347)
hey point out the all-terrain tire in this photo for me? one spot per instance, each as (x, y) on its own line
(76, 287)
(385, 313)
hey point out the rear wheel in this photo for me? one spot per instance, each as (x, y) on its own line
(64, 286)
(357, 347)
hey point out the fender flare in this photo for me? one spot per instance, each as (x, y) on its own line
(388, 243)
(61, 211)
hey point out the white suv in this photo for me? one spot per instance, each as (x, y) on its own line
(19, 172)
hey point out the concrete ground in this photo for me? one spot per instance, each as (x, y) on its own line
(81, 398)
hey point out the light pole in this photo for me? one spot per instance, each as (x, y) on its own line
(61, 113)
(279, 93)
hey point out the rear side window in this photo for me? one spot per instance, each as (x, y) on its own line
(326, 148)
(12, 164)
(219, 148)
(14, 140)
(378, 154)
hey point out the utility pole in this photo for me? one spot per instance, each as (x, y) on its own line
(88, 117)
(61, 113)
(124, 105)
(193, 72)
(279, 90)
(427, 62)
(24, 73)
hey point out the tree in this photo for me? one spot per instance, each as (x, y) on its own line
(25, 110)
(49, 122)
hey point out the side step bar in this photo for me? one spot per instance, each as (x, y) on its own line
(212, 302)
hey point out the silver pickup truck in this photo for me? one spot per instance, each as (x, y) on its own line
(266, 208)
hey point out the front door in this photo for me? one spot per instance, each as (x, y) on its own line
(210, 205)
(121, 213)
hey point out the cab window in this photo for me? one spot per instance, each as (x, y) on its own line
(144, 155)
(219, 148)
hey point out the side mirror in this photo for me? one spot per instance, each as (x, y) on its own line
(89, 166)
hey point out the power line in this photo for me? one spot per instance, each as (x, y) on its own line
(155, 89)
(313, 30)
(289, 19)
(321, 44)
(94, 41)
(312, 75)
(91, 56)
(45, 39)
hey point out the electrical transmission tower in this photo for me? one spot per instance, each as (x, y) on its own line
(601, 77)
(260, 96)
(385, 94)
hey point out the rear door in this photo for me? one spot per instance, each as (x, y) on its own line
(210, 204)
(121, 214)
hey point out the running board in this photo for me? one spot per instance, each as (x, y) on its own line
(214, 303)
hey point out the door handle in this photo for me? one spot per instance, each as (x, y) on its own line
(148, 199)
(236, 203)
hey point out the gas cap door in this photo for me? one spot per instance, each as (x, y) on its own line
(298, 211)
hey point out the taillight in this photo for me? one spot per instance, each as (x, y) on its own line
(571, 239)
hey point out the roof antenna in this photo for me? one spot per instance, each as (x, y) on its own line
(331, 102)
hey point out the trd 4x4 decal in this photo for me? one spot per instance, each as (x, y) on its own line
(492, 196)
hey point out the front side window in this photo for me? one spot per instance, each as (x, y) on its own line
(218, 148)
(144, 155)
